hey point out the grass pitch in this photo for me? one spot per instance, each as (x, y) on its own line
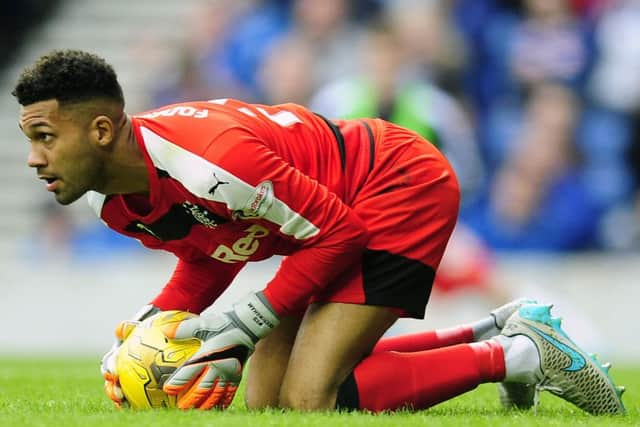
(67, 393)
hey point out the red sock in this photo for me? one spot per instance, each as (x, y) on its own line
(392, 380)
(426, 340)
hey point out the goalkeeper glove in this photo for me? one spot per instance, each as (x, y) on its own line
(108, 364)
(211, 376)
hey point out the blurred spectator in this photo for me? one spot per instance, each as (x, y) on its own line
(615, 82)
(430, 45)
(624, 224)
(188, 84)
(473, 19)
(387, 89)
(325, 26)
(549, 44)
(287, 72)
(193, 76)
(538, 200)
(545, 41)
(620, 228)
(610, 123)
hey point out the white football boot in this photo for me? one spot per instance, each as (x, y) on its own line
(565, 369)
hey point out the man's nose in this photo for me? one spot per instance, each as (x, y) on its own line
(36, 158)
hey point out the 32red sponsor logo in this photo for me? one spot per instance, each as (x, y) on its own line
(242, 248)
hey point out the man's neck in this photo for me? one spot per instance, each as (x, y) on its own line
(126, 170)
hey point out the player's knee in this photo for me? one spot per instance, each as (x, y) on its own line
(255, 401)
(260, 395)
(307, 398)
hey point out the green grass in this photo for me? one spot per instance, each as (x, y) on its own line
(67, 393)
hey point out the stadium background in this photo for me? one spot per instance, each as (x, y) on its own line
(536, 102)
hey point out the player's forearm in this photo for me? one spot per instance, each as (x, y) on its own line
(194, 286)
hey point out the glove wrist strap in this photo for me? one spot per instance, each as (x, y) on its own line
(255, 315)
(145, 312)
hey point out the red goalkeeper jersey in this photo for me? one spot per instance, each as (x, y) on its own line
(232, 182)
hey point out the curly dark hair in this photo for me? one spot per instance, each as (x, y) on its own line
(68, 76)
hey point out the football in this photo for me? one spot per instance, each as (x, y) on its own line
(147, 358)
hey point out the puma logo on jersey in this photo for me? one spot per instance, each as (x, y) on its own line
(242, 248)
(215, 186)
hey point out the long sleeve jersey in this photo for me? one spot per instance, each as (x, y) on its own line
(231, 183)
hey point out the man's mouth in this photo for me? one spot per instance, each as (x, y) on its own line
(51, 182)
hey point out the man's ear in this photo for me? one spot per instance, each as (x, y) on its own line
(102, 131)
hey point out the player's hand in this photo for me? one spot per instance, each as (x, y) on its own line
(108, 364)
(211, 376)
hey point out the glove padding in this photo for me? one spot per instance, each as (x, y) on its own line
(108, 364)
(210, 378)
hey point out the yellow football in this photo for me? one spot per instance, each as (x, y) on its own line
(147, 358)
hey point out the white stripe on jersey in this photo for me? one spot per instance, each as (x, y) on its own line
(199, 175)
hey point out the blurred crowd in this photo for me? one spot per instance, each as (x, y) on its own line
(535, 102)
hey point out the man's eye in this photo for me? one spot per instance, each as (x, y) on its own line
(45, 137)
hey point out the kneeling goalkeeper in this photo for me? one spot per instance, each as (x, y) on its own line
(361, 210)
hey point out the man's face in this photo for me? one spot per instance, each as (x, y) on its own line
(61, 149)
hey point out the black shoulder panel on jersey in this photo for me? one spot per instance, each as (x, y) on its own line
(176, 223)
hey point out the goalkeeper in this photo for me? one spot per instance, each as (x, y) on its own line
(362, 210)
